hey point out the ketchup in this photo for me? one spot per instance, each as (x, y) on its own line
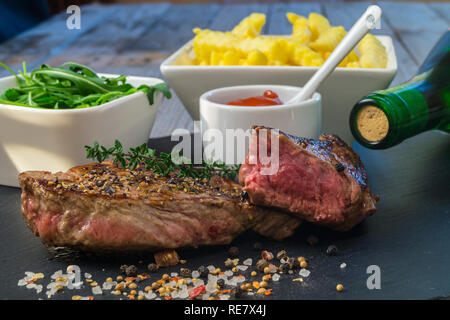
(269, 98)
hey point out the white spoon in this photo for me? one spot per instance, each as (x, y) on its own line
(365, 23)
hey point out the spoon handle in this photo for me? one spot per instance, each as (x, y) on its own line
(366, 22)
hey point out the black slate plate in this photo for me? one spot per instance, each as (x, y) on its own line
(408, 238)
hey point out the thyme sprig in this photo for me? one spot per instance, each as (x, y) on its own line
(161, 164)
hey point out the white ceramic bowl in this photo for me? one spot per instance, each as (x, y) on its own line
(302, 119)
(54, 140)
(340, 91)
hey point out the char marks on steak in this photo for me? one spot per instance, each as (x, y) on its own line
(100, 207)
(322, 181)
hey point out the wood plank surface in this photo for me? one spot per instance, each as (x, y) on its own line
(417, 25)
(346, 16)
(135, 38)
(47, 39)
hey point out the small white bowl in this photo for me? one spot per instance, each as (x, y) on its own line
(54, 140)
(343, 88)
(301, 119)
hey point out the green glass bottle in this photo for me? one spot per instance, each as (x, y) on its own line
(385, 118)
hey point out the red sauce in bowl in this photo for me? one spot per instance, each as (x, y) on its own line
(269, 98)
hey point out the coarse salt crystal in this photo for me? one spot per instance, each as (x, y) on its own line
(87, 275)
(243, 268)
(248, 262)
(195, 274)
(212, 278)
(205, 296)
(30, 286)
(97, 290)
(343, 265)
(210, 287)
(77, 285)
(304, 272)
(174, 274)
(108, 285)
(182, 287)
(224, 297)
(276, 277)
(228, 273)
(199, 282)
(211, 268)
(183, 294)
(21, 282)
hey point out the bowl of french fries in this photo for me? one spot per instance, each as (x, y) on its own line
(243, 56)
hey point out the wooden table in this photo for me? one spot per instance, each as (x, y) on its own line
(408, 237)
(134, 39)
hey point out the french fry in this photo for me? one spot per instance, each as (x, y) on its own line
(310, 44)
(373, 53)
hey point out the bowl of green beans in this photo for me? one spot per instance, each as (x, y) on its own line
(49, 114)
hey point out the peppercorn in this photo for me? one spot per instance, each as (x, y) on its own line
(293, 263)
(229, 263)
(132, 285)
(233, 252)
(303, 264)
(119, 278)
(339, 167)
(253, 274)
(165, 277)
(152, 267)
(131, 271)
(266, 255)
(262, 264)
(123, 268)
(281, 255)
(261, 291)
(266, 270)
(332, 250)
(244, 195)
(284, 268)
(267, 277)
(185, 272)
(236, 292)
(203, 271)
(339, 287)
(156, 285)
(221, 283)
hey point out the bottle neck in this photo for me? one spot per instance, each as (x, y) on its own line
(404, 113)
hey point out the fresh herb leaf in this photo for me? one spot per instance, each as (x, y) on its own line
(161, 164)
(71, 86)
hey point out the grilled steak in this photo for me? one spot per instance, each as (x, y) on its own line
(100, 207)
(322, 181)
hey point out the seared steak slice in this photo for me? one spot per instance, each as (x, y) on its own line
(100, 207)
(322, 181)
